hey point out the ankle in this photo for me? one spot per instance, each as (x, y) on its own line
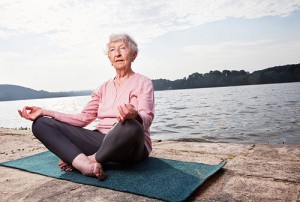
(92, 158)
(83, 164)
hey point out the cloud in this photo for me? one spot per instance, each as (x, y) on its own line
(82, 27)
(70, 23)
(70, 34)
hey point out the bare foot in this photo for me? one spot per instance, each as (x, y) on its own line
(88, 168)
(92, 158)
(65, 166)
(98, 171)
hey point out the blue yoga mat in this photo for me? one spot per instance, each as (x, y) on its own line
(164, 179)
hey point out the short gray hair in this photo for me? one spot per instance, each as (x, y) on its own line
(126, 38)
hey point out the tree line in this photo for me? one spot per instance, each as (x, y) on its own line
(278, 74)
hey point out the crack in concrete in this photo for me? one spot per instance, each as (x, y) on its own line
(262, 177)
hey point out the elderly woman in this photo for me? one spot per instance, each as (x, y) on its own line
(124, 106)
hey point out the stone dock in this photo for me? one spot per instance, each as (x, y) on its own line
(254, 172)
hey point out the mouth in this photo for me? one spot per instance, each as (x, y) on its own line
(119, 60)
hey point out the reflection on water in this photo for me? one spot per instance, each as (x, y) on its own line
(241, 114)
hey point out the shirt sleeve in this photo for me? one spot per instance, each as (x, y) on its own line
(145, 101)
(86, 116)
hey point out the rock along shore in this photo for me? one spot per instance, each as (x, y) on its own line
(253, 172)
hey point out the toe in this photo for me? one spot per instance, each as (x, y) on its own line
(98, 171)
(102, 176)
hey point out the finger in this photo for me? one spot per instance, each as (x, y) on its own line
(129, 106)
(20, 112)
(121, 111)
(27, 107)
(125, 109)
(131, 110)
(120, 119)
(24, 113)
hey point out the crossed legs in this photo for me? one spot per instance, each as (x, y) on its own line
(75, 146)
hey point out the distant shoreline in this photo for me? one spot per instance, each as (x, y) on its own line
(226, 78)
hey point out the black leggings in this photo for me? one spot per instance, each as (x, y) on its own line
(124, 143)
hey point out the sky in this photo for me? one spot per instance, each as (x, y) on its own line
(59, 45)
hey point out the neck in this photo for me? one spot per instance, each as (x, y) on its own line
(121, 75)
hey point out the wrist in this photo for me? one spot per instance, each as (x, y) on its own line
(48, 113)
(43, 112)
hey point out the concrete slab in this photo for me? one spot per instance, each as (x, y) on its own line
(253, 172)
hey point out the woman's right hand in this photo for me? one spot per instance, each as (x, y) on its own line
(31, 112)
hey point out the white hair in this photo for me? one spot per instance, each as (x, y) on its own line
(126, 38)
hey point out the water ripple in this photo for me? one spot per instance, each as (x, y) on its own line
(240, 114)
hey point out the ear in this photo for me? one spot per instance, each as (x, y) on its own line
(134, 56)
(110, 60)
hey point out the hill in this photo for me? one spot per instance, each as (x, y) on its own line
(278, 74)
(14, 92)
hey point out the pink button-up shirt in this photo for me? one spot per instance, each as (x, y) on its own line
(138, 91)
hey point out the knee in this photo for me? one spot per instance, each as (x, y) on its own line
(39, 124)
(39, 121)
(133, 127)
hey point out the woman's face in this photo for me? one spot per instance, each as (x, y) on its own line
(120, 55)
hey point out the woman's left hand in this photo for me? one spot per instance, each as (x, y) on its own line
(126, 111)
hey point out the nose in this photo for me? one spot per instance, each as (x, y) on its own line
(118, 53)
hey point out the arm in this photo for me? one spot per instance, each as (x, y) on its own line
(87, 115)
(32, 112)
(145, 103)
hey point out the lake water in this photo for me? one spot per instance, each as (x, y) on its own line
(241, 114)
